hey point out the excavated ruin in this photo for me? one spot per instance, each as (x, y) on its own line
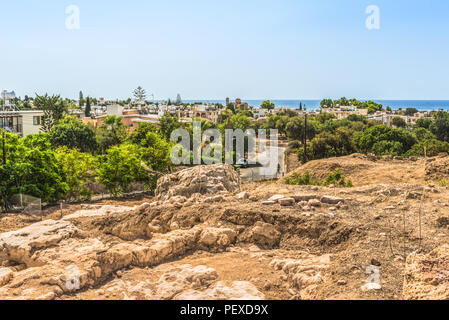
(252, 241)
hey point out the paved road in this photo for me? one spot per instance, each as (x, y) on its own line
(264, 172)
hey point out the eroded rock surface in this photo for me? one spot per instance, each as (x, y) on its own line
(201, 179)
(427, 276)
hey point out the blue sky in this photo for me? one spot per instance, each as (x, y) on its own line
(210, 49)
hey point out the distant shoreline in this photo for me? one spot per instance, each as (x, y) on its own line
(421, 105)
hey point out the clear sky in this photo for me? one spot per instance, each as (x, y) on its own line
(211, 49)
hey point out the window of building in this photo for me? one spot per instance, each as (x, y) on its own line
(36, 120)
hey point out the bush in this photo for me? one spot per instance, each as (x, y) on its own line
(121, 167)
(73, 134)
(433, 147)
(338, 179)
(79, 171)
(383, 139)
(295, 144)
(301, 180)
(334, 178)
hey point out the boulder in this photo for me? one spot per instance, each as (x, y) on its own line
(242, 196)
(265, 234)
(314, 203)
(276, 197)
(203, 180)
(304, 197)
(332, 200)
(217, 237)
(287, 202)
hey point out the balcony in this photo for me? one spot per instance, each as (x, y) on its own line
(17, 129)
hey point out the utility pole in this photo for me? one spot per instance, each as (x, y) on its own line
(305, 137)
(4, 146)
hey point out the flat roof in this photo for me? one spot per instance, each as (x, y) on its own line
(21, 112)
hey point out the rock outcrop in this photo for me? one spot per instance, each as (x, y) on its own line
(210, 179)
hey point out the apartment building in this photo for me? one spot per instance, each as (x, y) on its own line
(21, 122)
(344, 112)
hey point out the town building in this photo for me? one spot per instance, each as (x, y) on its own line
(386, 118)
(208, 113)
(130, 117)
(345, 111)
(21, 122)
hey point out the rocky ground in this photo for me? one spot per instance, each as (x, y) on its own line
(207, 236)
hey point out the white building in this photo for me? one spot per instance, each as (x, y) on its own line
(8, 95)
(21, 122)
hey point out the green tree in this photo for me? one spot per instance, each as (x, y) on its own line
(268, 105)
(327, 103)
(423, 123)
(342, 102)
(79, 171)
(242, 122)
(112, 132)
(411, 112)
(88, 109)
(122, 166)
(167, 124)
(295, 129)
(429, 147)
(72, 133)
(138, 135)
(39, 141)
(81, 99)
(31, 171)
(327, 145)
(54, 110)
(369, 138)
(398, 122)
(440, 126)
(422, 134)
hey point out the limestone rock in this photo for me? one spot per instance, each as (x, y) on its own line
(276, 197)
(6, 275)
(177, 280)
(237, 290)
(287, 202)
(217, 237)
(265, 234)
(303, 274)
(21, 244)
(210, 179)
(304, 197)
(242, 196)
(332, 200)
(314, 203)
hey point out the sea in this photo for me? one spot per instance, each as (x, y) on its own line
(421, 105)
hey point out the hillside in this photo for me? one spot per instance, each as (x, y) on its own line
(364, 170)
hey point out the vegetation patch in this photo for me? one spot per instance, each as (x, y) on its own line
(335, 178)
